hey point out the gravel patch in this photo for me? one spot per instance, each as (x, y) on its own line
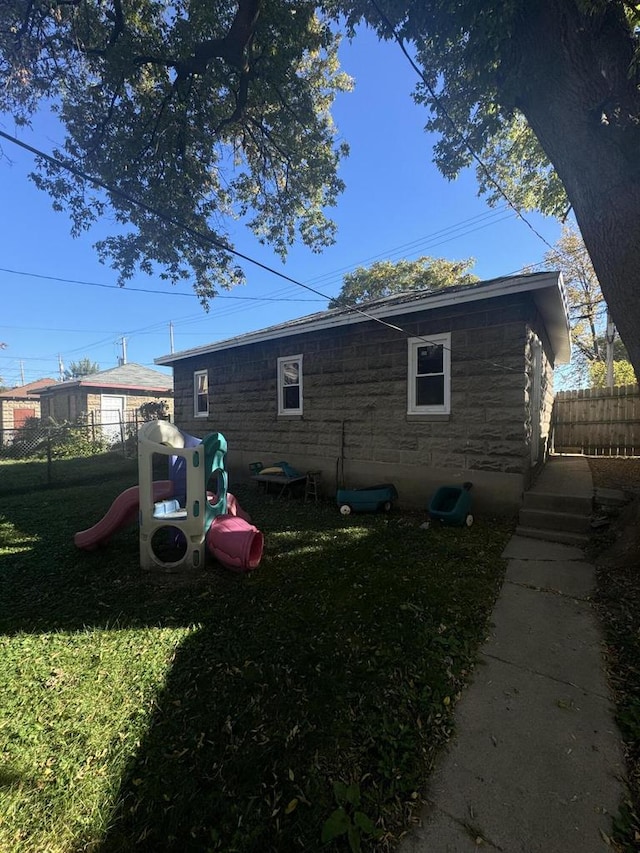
(615, 472)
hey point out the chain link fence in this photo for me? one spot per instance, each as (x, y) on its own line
(43, 452)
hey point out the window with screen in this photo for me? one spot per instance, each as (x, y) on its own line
(429, 380)
(290, 385)
(201, 393)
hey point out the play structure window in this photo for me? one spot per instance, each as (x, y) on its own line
(201, 394)
(290, 385)
(429, 379)
(169, 545)
(215, 483)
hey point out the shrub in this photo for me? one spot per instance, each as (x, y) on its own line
(154, 410)
(79, 439)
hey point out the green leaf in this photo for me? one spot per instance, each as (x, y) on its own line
(337, 824)
(353, 794)
(384, 278)
(353, 835)
(365, 823)
(340, 792)
(210, 149)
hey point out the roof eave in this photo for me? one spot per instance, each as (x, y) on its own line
(559, 335)
(49, 388)
(70, 386)
(552, 305)
(160, 388)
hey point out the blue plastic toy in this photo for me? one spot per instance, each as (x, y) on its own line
(368, 499)
(452, 505)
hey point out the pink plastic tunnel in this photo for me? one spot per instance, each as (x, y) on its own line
(235, 543)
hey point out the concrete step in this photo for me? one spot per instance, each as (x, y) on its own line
(544, 519)
(558, 503)
(577, 539)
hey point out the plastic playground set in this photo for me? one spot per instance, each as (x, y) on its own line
(180, 520)
(180, 510)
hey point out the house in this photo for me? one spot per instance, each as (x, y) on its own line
(107, 398)
(17, 405)
(421, 389)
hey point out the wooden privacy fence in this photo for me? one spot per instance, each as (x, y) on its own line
(597, 421)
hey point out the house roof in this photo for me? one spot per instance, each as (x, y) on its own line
(546, 288)
(26, 392)
(134, 377)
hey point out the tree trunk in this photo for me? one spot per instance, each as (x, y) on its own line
(571, 72)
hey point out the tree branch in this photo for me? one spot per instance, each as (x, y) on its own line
(26, 21)
(118, 19)
(241, 102)
(287, 106)
(232, 48)
(156, 125)
(267, 134)
(118, 23)
(97, 136)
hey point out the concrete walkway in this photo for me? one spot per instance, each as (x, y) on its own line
(536, 765)
(565, 475)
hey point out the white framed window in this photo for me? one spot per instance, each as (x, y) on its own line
(429, 378)
(201, 394)
(290, 385)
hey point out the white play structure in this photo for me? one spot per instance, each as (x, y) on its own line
(198, 519)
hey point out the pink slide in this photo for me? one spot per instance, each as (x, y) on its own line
(122, 512)
(235, 543)
(231, 539)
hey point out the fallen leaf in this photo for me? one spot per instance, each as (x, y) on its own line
(293, 805)
(605, 837)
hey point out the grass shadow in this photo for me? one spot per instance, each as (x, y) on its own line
(340, 658)
(29, 476)
(47, 584)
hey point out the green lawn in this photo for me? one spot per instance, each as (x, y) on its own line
(31, 475)
(270, 712)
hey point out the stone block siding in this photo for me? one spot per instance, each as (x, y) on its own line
(70, 405)
(132, 401)
(63, 406)
(8, 408)
(357, 376)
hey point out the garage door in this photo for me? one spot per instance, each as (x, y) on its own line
(112, 408)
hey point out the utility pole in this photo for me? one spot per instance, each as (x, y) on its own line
(61, 367)
(171, 335)
(611, 336)
(22, 371)
(123, 360)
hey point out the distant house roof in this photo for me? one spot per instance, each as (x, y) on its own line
(26, 392)
(547, 289)
(133, 377)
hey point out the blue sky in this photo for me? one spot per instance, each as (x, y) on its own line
(396, 205)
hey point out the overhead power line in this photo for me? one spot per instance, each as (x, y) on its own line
(427, 241)
(145, 289)
(206, 238)
(170, 220)
(454, 126)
